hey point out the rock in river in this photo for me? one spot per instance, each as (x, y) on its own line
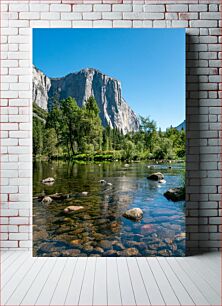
(135, 214)
(70, 209)
(158, 176)
(129, 252)
(47, 200)
(48, 180)
(85, 193)
(175, 194)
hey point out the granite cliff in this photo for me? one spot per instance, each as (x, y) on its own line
(114, 110)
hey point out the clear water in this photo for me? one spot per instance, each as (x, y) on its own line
(100, 229)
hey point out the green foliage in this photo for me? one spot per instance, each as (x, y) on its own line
(39, 111)
(77, 133)
(50, 143)
(38, 136)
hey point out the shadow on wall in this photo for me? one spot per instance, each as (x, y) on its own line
(193, 171)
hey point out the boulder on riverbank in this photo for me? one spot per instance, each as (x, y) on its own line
(55, 196)
(175, 194)
(48, 180)
(85, 193)
(158, 176)
(135, 214)
(70, 209)
(47, 200)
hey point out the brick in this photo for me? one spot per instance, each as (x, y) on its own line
(39, 7)
(154, 8)
(122, 24)
(121, 7)
(112, 15)
(102, 7)
(39, 24)
(216, 31)
(9, 126)
(207, 16)
(93, 15)
(138, 23)
(9, 63)
(18, 236)
(82, 24)
(8, 244)
(162, 23)
(172, 16)
(180, 23)
(24, 229)
(147, 24)
(20, 7)
(203, 23)
(19, 23)
(9, 212)
(133, 15)
(102, 23)
(187, 16)
(60, 24)
(29, 15)
(204, 31)
(213, 7)
(51, 16)
(71, 16)
(197, 7)
(215, 236)
(215, 220)
(25, 244)
(82, 8)
(215, 63)
(137, 8)
(177, 8)
(208, 39)
(60, 8)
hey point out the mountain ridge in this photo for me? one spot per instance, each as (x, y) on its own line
(114, 110)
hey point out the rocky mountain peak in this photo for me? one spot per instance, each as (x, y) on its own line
(114, 110)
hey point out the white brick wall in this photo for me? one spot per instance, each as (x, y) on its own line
(201, 20)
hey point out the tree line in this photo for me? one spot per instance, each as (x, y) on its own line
(73, 132)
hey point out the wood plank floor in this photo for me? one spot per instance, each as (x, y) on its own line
(27, 280)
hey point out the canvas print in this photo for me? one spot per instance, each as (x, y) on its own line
(109, 142)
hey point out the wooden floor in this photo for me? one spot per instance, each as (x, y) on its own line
(27, 280)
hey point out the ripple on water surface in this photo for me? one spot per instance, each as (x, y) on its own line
(99, 229)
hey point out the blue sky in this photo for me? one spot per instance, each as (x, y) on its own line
(149, 63)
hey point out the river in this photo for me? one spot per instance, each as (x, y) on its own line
(100, 229)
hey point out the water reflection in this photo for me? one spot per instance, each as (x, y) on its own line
(99, 229)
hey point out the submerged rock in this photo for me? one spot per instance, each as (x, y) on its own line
(98, 250)
(47, 200)
(135, 214)
(129, 252)
(175, 194)
(76, 242)
(105, 244)
(118, 246)
(48, 180)
(158, 176)
(147, 228)
(110, 253)
(70, 209)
